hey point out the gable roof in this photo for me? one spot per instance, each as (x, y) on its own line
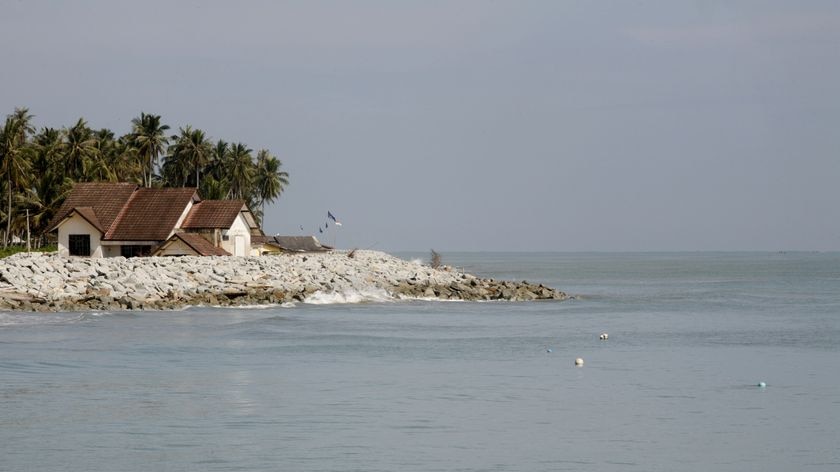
(127, 212)
(197, 243)
(105, 200)
(90, 216)
(151, 214)
(299, 244)
(211, 214)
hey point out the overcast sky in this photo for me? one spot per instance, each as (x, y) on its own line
(476, 125)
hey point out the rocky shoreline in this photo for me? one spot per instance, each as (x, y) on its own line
(47, 282)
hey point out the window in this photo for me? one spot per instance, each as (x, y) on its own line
(79, 244)
(135, 251)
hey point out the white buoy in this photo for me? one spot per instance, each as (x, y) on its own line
(548, 350)
(604, 336)
(762, 385)
(579, 362)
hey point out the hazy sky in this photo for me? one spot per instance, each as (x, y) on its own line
(477, 125)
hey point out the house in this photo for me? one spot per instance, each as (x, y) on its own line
(263, 245)
(120, 219)
(276, 244)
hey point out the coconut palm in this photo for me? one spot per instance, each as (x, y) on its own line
(123, 160)
(212, 189)
(219, 155)
(270, 181)
(47, 147)
(43, 197)
(149, 138)
(240, 171)
(106, 146)
(188, 156)
(80, 151)
(24, 123)
(14, 158)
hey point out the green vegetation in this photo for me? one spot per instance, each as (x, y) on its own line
(39, 167)
(8, 251)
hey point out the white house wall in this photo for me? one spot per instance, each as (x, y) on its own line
(238, 228)
(78, 225)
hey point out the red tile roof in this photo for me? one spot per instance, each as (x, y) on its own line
(105, 199)
(151, 214)
(126, 212)
(201, 246)
(213, 214)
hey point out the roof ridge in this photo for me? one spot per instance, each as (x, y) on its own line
(121, 214)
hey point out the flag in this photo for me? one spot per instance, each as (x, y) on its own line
(332, 217)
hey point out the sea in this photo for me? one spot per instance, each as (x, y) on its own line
(714, 362)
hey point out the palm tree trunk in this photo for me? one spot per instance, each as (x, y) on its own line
(8, 215)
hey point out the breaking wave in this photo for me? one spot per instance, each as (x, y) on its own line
(349, 296)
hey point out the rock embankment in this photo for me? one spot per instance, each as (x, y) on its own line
(47, 282)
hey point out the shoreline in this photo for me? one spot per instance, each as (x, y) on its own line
(50, 283)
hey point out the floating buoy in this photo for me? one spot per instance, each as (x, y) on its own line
(579, 362)
(761, 385)
(548, 349)
(604, 336)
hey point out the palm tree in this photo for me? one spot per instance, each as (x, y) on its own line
(190, 153)
(24, 120)
(47, 146)
(124, 161)
(270, 181)
(240, 171)
(43, 197)
(149, 138)
(14, 161)
(218, 160)
(212, 189)
(106, 146)
(80, 150)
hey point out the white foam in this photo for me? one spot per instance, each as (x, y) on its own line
(245, 307)
(349, 296)
(430, 299)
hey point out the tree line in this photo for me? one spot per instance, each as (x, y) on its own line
(39, 167)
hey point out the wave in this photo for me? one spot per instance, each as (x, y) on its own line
(246, 307)
(349, 296)
(432, 299)
(16, 319)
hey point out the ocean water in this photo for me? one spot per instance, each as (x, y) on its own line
(450, 386)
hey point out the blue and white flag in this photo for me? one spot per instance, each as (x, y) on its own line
(332, 217)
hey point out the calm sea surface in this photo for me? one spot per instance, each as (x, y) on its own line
(428, 386)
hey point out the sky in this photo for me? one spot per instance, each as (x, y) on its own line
(477, 125)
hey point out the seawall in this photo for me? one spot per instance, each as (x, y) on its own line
(47, 282)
